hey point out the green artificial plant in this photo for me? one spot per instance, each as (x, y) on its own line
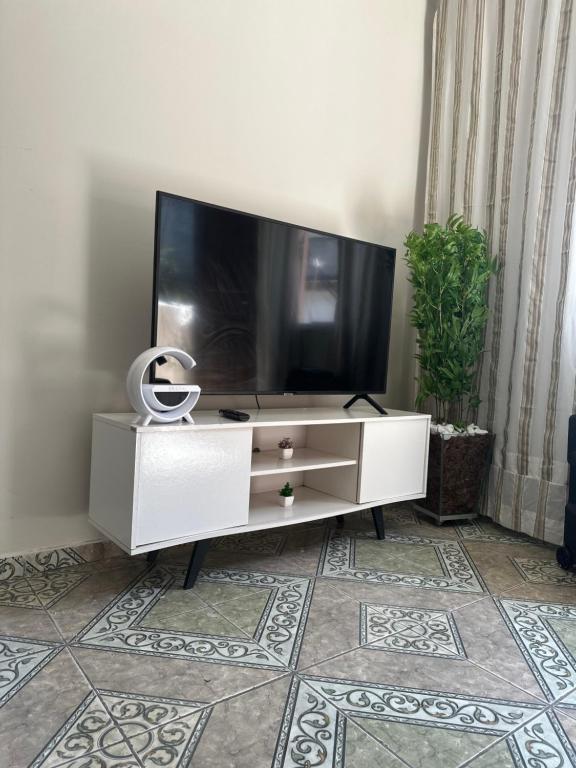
(286, 490)
(450, 268)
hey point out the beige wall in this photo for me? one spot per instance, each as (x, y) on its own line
(307, 111)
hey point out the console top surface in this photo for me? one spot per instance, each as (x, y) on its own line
(265, 417)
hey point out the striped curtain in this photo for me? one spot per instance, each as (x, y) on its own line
(503, 153)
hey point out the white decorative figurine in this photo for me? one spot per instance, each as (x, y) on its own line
(143, 396)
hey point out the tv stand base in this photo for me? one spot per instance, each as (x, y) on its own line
(369, 400)
(337, 468)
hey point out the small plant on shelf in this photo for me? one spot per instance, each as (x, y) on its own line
(286, 446)
(286, 494)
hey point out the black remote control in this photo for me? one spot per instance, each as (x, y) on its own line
(234, 415)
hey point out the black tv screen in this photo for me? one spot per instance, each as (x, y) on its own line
(268, 307)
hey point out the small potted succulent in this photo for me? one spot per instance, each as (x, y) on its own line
(286, 446)
(286, 494)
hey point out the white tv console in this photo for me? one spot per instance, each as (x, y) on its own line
(160, 485)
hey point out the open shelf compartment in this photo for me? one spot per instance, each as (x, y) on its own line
(309, 504)
(269, 463)
(325, 456)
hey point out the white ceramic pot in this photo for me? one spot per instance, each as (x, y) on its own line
(286, 501)
(286, 453)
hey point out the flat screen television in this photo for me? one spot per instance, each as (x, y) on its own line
(266, 307)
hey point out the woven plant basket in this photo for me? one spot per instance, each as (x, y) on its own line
(457, 470)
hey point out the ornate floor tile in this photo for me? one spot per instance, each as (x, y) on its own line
(81, 595)
(313, 731)
(400, 515)
(18, 593)
(395, 516)
(160, 731)
(399, 518)
(495, 561)
(135, 713)
(411, 561)
(497, 756)
(407, 597)
(539, 593)
(546, 634)
(544, 572)
(242, 731)
(316, 733)
(485, 530)
(431, 711)
(11, 568)
(246, 613)
(427, 728)
(53, 559)
(26, 623)
(568, 703)
(51, 587)
(332, 626)
(88, 729)
(20, 660)
(436, 674)
(437, 709)
(490, 644)
(36, 712)
(284, 724)
(299, 553)
(431, 729)
(175, 601)
(410, 630)
(427, 746)
(172, 745)
(98, 555)
(104, 759)
(267, 542)
(128, 624)
(544, 742)
(271, 608)
(370, 553)
(110, 727)
(167, 677)
(363, 751)
(201, 620)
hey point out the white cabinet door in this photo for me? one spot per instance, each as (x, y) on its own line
(394, 460)
(191, 481)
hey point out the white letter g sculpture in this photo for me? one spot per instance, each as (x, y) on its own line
(143, 396)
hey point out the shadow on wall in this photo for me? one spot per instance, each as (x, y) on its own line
(118, 280)
(76, 349)
(50, 452)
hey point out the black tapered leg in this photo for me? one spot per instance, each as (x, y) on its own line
(339, 521)
(378, 517)
(152, 556)
(198, 554)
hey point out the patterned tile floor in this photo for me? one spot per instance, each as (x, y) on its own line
(302, 647)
